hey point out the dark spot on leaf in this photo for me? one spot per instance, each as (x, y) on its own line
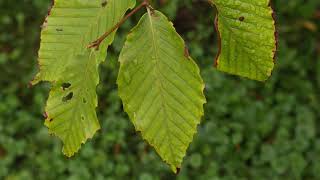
(241, 18)
(50, 120)
(68, 97)
(65, 86)
(84, 100)
(59, 30)
(82, 117)
(104, 3)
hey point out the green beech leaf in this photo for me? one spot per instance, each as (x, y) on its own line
(72, 68)
(247, 38)
(161, 87)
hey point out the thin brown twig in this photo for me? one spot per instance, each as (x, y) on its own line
(95, 44)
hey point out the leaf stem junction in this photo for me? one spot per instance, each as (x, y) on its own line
(96, 44)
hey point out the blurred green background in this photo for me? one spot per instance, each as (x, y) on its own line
(251, 130)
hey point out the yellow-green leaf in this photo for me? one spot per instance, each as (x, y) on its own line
(72, 68)
(247, 38)
(161, 87)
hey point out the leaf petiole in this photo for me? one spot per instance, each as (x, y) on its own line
(95, 44)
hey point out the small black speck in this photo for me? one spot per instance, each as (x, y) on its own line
(68, 97)
(65, 86)
(59, 30)
(104, 3)
(241, 18)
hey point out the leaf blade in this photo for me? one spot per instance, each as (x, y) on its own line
(72, 69)
(161, 87)
(248, 40)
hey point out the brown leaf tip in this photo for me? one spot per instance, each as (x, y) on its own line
(178, 171)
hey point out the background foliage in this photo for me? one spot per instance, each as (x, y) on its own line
(250, 130)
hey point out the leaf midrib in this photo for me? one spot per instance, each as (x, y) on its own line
(159, 80)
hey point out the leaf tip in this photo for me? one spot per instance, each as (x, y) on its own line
(178, 170)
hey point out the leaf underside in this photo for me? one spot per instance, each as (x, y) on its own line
(161, 87)
(72, 69)
(247, 38)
